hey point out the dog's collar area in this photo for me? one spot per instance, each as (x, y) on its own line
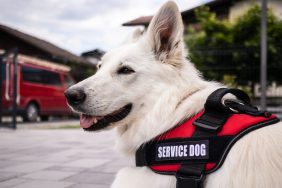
(200, 145)
(187, 96)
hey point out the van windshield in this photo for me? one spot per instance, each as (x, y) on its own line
(3, 71)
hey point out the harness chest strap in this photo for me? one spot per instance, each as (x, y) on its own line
(199, 145)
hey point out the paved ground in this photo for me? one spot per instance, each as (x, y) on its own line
(48, 124)
(51, 123)
(57, 158)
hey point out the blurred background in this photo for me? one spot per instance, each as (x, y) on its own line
(57, 43)
(48, 45)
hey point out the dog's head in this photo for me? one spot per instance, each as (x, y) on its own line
(130, 79)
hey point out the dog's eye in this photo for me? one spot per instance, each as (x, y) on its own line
(125, 70)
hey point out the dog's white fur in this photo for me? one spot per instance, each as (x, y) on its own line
(166, 89)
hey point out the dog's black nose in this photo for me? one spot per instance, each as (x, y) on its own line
(75, 96)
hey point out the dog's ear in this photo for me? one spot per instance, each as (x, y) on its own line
(165, 34)
(136, 34)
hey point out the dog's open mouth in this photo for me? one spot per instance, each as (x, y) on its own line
(94, 123)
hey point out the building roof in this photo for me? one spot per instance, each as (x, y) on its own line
(143, 20)
(189, 14)
(96, 53)
(43, 45)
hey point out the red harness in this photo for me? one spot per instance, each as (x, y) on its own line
(236, 124)
(200, 145)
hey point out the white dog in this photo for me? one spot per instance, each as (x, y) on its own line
(146, 87)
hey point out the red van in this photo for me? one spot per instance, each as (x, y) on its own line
(41, 86)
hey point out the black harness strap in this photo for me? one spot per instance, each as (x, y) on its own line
(195, 177)
(146, 155)
(216, 113)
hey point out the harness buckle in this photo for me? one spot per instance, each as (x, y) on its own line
(210, 127)
(190, 175)
(239, 106)
(184, 181)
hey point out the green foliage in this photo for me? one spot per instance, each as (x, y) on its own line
(220, 48)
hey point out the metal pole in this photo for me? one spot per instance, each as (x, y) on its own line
(15, 81)
(1, 92)
(263, 68)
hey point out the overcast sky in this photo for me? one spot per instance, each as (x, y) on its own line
(80, 25)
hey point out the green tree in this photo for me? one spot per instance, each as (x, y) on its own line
(221, 49)
(246, 34)
(206, 44)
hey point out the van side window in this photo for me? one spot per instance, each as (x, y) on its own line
(40, 76)
(31, 75)
(51, 78)
(68, 81)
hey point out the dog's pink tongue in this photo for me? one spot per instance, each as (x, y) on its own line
(87, 121)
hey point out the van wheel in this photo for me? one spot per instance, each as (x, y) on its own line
(31, 113)
(44, 118)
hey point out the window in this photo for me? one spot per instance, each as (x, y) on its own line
(68, 81)
(51, 78)
(31, 75)
(40, 76)
(3, 71)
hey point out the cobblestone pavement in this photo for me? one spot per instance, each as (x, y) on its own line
(58, 158)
